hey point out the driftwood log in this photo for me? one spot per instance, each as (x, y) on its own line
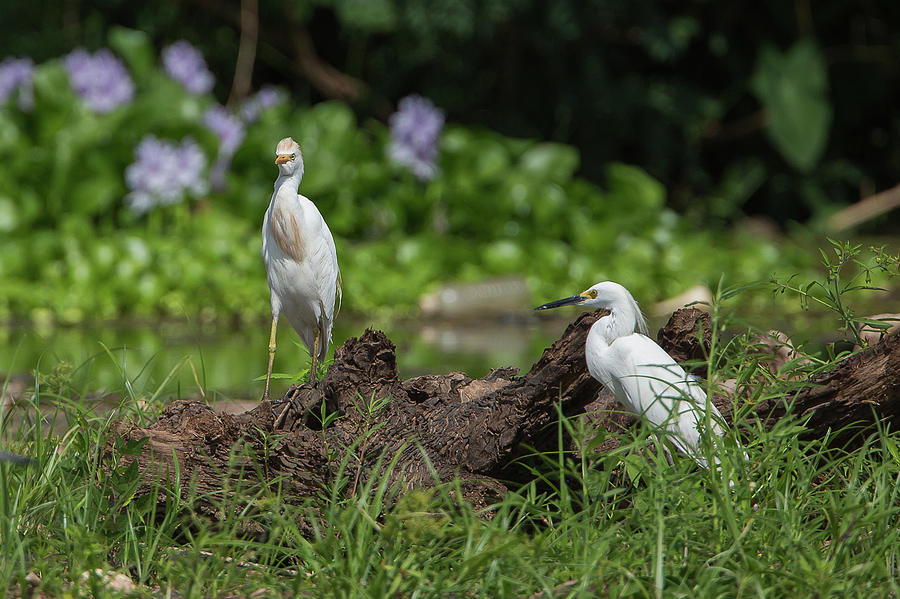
(437, 427)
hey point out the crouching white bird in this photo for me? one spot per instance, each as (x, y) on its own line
(643, 377)
(301, 261)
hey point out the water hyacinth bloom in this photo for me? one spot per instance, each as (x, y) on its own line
(164, 173)
(262, 100)
(415, 129)
(100, 79)
(15, 75)
(230, 131)
(186, 65)
(227, 127)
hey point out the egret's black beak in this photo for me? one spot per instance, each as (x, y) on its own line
(5, 456)
(566, 301)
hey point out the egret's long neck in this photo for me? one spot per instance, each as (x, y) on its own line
(287, 185)
(624, 319)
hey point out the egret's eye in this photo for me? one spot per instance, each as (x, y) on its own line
(293, 156)
(591, 293)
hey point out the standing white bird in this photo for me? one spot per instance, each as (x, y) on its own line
(643, 377)
(301, 261)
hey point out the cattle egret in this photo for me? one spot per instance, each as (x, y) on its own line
(301, 261)
(643, 377)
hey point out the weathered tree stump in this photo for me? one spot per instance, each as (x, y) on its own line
(437, 427)
(687, 336)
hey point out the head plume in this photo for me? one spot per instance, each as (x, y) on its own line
(287, 146)
(289, 159)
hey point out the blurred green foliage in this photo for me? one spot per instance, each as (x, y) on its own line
(781, 108)
(72, 251)
(792, 87)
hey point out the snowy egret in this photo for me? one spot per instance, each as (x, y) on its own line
(643, 377)
(301, 261)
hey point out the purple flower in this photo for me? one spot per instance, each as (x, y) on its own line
(227, 127)
(230, 131)
(415, 129)
(217, 172)
(262, 100)
(185, 64)
(15, 75)
(163, 173)
(99, 79)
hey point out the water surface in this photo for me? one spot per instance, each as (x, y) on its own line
(227, 360)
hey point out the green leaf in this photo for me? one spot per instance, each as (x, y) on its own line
(96, 194)
(632, 186)
(10, 135)
(133, 46)
(51, 89)
(335, 118)
(793, 89)
(370, 15)
(877, 325)
(556, 162)
(9, 215)
(492, 161)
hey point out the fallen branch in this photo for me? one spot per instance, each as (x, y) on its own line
(860, 390)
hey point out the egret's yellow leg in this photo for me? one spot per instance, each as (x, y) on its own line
(315, 353)
(271, 357)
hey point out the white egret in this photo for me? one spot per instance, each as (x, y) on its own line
(301, 261)
(643, 377)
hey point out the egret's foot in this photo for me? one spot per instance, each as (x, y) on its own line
(668, 455)
(662, 444)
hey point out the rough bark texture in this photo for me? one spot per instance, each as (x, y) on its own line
(435, 427)
(862, 389)
(681, 336)
(439, 426)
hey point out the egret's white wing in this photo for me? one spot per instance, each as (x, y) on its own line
(322, 258)
(655, 386)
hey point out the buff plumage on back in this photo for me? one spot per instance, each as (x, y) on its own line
(287, 146)
(286, 232)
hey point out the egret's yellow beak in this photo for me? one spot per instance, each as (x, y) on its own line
(282, 158)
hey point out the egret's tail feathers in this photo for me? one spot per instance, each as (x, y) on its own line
(338, 293)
